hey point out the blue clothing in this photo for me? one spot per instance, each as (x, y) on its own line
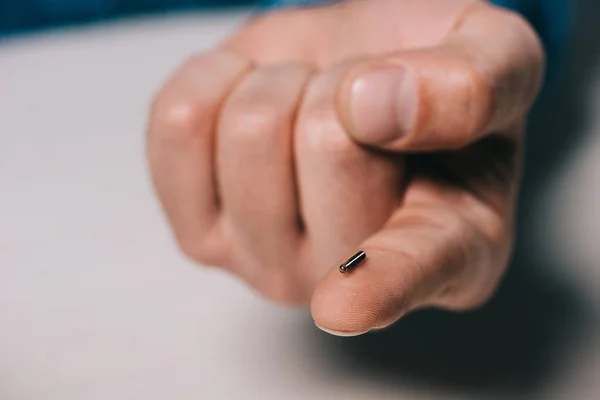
(550, 17)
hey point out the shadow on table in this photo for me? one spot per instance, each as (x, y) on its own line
(513, 343)
(508, 346)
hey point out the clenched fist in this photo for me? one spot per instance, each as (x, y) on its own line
(393, 127)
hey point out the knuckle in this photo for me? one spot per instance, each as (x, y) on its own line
(253, 124)
(187, 104)
(175, 116)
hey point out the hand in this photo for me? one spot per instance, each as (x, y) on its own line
(394, 127)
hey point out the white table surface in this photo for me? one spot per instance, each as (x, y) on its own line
(97, 303)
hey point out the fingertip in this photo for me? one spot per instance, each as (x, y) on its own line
(343, 313)
(371, 296)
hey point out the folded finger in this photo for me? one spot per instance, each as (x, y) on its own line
(180, 147)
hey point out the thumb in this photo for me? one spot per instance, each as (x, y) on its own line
(481, 79)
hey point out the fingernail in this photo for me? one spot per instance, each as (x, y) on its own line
(338, 333)
(383, 105)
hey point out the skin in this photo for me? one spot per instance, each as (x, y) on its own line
(393, 127)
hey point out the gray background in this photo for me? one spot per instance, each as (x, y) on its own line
(96, 302)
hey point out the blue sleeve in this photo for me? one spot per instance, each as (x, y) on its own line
(21, 15)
